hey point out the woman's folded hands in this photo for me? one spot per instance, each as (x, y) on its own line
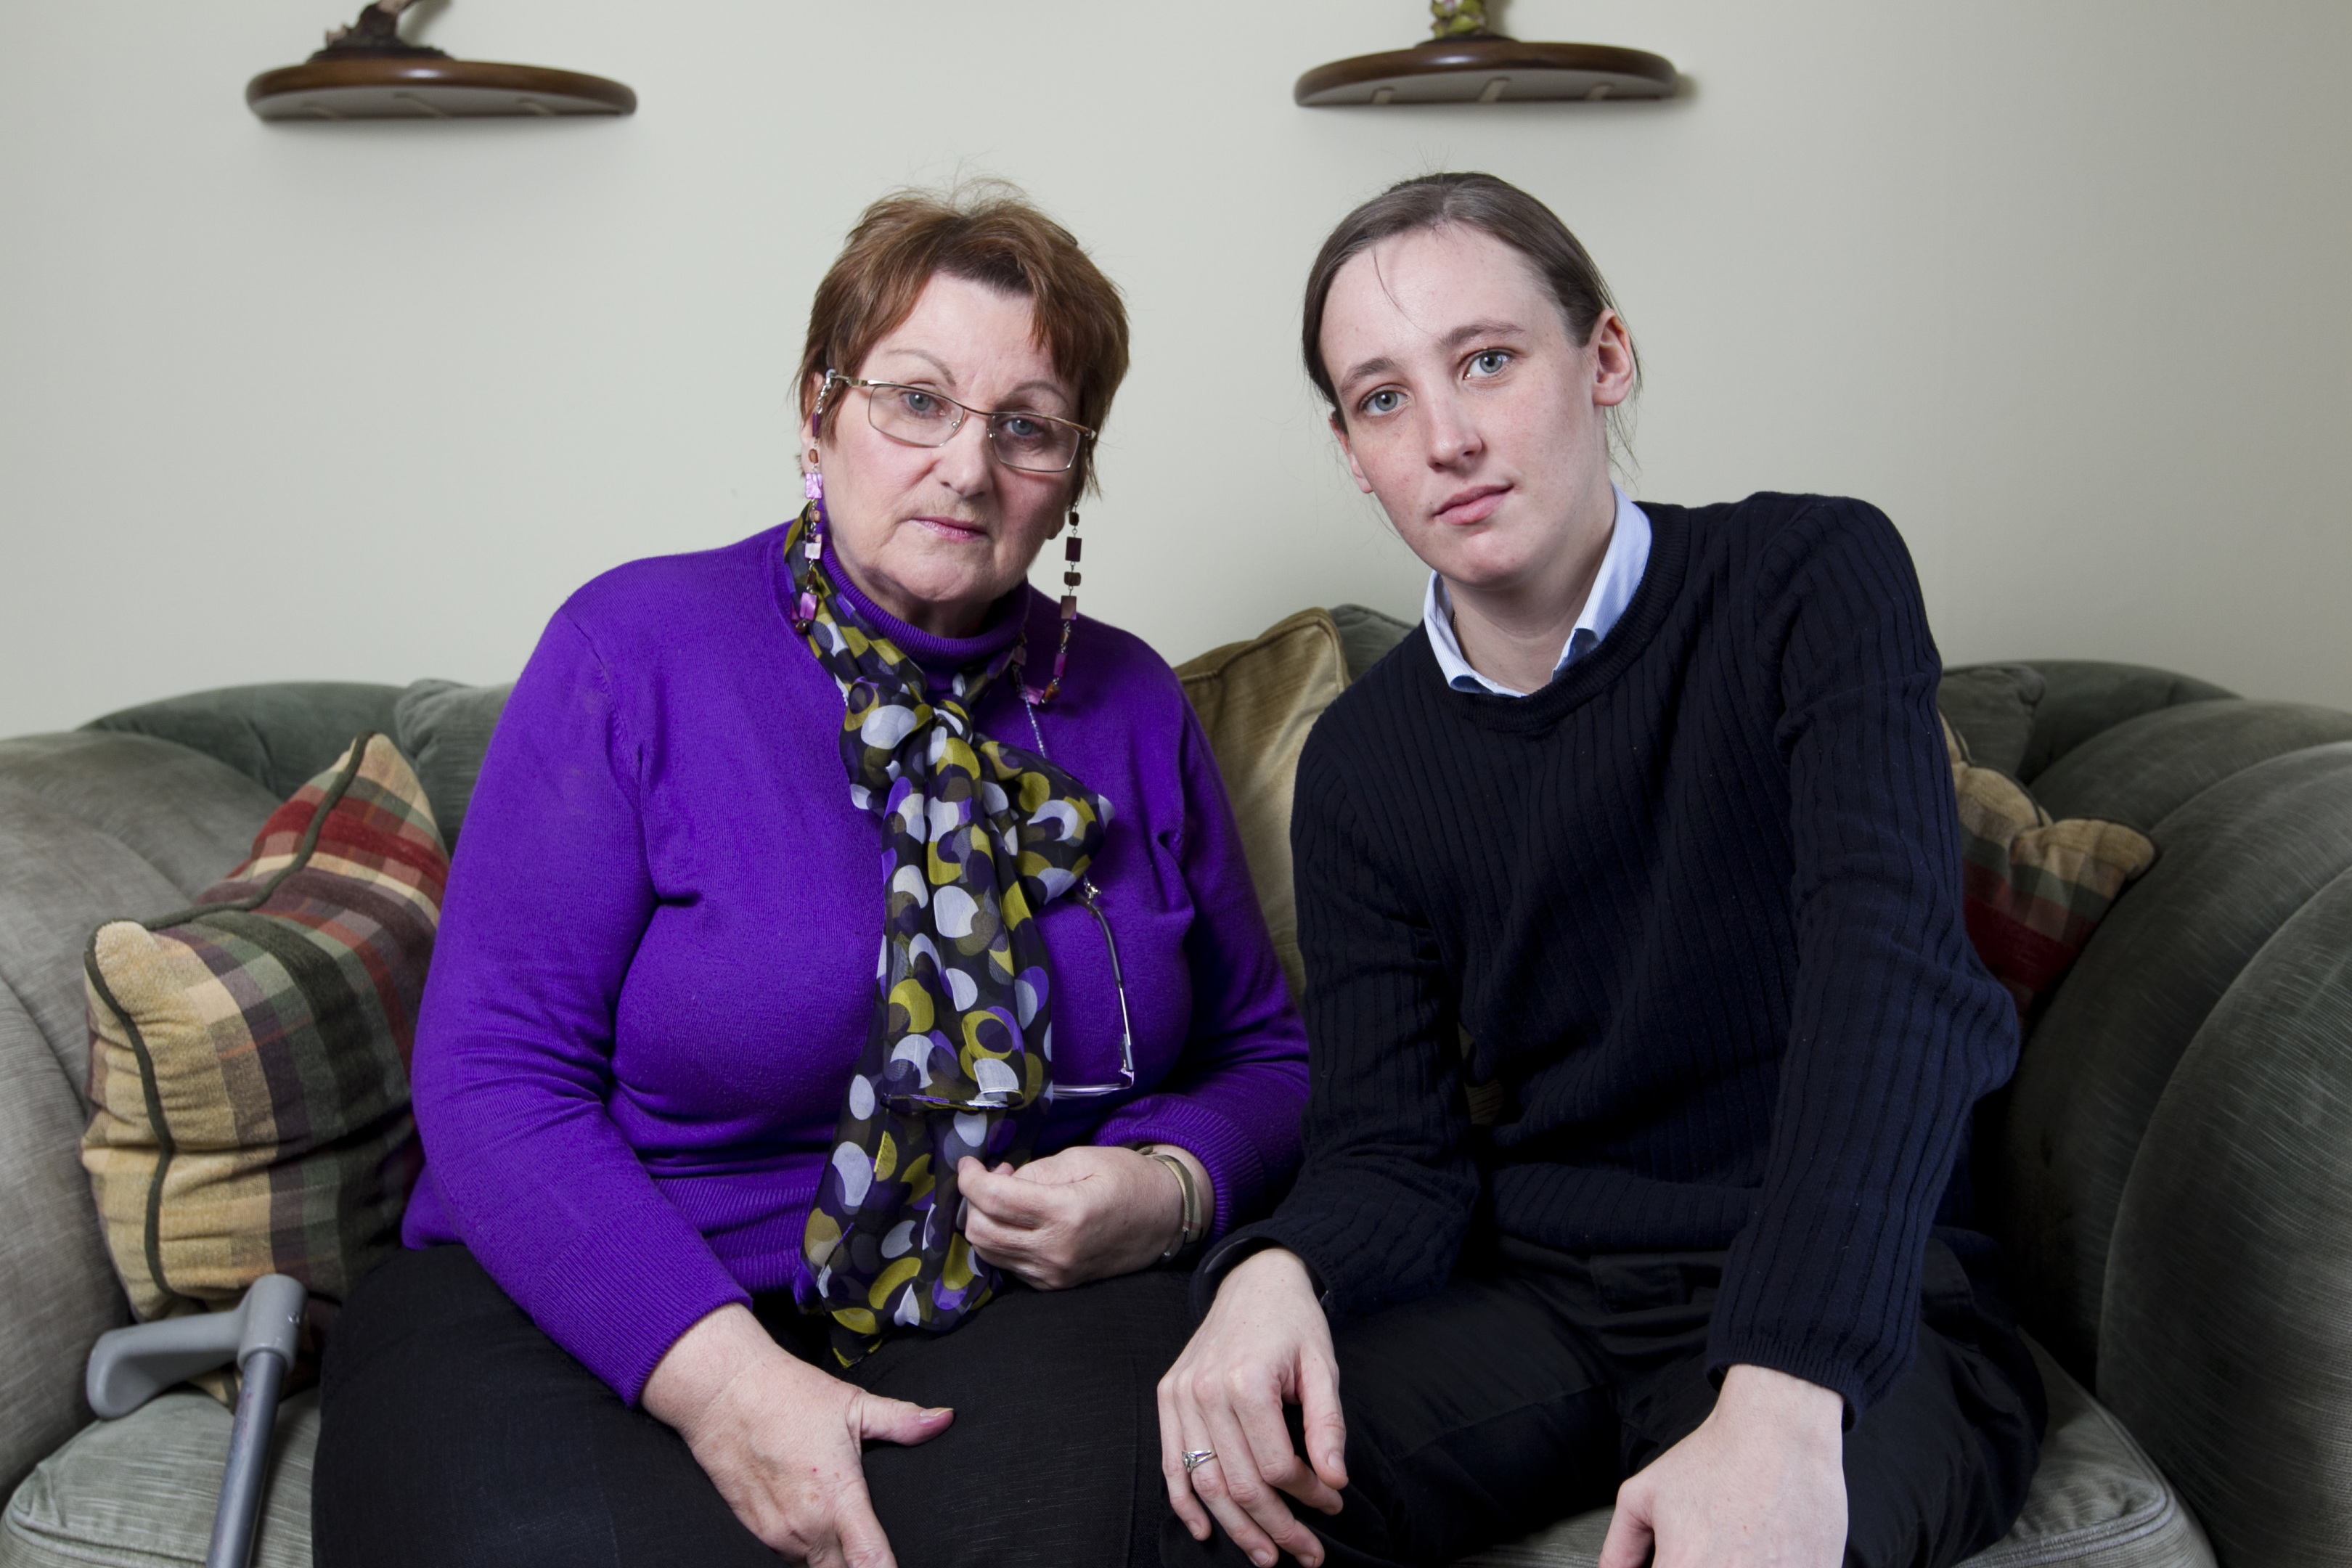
(780, 1438)
(1087, 1213)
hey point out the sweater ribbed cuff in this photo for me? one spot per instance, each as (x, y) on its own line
(618, 1308)
(1236, 1168)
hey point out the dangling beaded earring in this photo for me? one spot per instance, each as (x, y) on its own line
(804, 609)
(1030, 694)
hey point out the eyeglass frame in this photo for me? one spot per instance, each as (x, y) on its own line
(988, 417)
(1090, 897)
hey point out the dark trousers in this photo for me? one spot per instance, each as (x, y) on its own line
(1527, 1390)
(456, 1434)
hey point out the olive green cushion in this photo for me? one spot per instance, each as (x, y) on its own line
(2226, 1339)
(2147, 767)
(278, 734)
(1256, 700)
(2096, 1503)
(2233, 865)
(139, 1492)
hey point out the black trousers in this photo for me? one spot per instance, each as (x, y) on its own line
(1529, 1387)
(456, 1434)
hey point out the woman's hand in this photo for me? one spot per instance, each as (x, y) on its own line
(1087, 1213)
(1265, 1344)
(1760, 1484)
(780, 1439)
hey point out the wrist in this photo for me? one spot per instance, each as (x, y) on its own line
(1273, 1271)
(1800, 1411)
(693, 1380)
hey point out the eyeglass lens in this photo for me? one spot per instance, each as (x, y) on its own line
(1033, 442)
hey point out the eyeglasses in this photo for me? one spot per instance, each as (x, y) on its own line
(1033, 443)
(1091, 896)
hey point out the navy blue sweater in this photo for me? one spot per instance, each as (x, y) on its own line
(1695, 906)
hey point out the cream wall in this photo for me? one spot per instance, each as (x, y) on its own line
(2061, 286)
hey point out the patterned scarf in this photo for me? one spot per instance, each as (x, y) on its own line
(962, 1038)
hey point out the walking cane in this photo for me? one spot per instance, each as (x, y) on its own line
(128, 1367)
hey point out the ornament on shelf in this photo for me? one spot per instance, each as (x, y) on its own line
(1458, 19)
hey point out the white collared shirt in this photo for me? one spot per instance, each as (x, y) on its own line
(1627, 558)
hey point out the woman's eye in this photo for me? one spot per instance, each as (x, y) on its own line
(1021, 428)
(922, 405)
(1387, 400)
(1491, 363)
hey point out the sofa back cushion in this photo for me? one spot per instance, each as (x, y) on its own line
(1365, 636)
(57, 1291)
(445, 730)
(2234, 865)
(90, 825)
(2082, 697)
(277, 734)
(2151, 764)
(249, 1057)
(2226, 1334)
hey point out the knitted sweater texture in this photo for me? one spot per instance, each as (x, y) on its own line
(1695, 906)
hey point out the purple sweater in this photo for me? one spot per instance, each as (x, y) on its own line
(655, 962)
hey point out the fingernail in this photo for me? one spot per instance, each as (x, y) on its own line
(940, 1410)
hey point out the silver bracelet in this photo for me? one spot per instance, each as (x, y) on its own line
(1195, 1223)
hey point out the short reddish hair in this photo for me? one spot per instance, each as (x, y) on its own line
(986, 231)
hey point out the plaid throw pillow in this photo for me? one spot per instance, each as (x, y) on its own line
(2034, 890)
(249, 1057)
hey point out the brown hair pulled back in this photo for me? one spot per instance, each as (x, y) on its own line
(987, 231)
(1494, 207)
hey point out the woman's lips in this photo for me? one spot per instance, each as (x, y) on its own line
(1476, 504)
(953, 529)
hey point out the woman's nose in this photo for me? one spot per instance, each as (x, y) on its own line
(1453, 434)
(965, 463)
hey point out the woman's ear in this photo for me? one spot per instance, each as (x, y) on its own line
(1347, 450)
(1612, 360)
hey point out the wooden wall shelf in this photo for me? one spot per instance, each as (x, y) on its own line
(429, 87)
(1488, 70)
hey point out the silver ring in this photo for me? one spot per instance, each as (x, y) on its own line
(1196, 1457)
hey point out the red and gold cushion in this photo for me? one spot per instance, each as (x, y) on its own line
(2034, 890)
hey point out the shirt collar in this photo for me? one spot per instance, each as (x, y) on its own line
(1613, 586)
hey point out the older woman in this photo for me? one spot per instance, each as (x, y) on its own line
(715, 1195)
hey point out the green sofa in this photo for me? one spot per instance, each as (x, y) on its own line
(2170, 1172)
